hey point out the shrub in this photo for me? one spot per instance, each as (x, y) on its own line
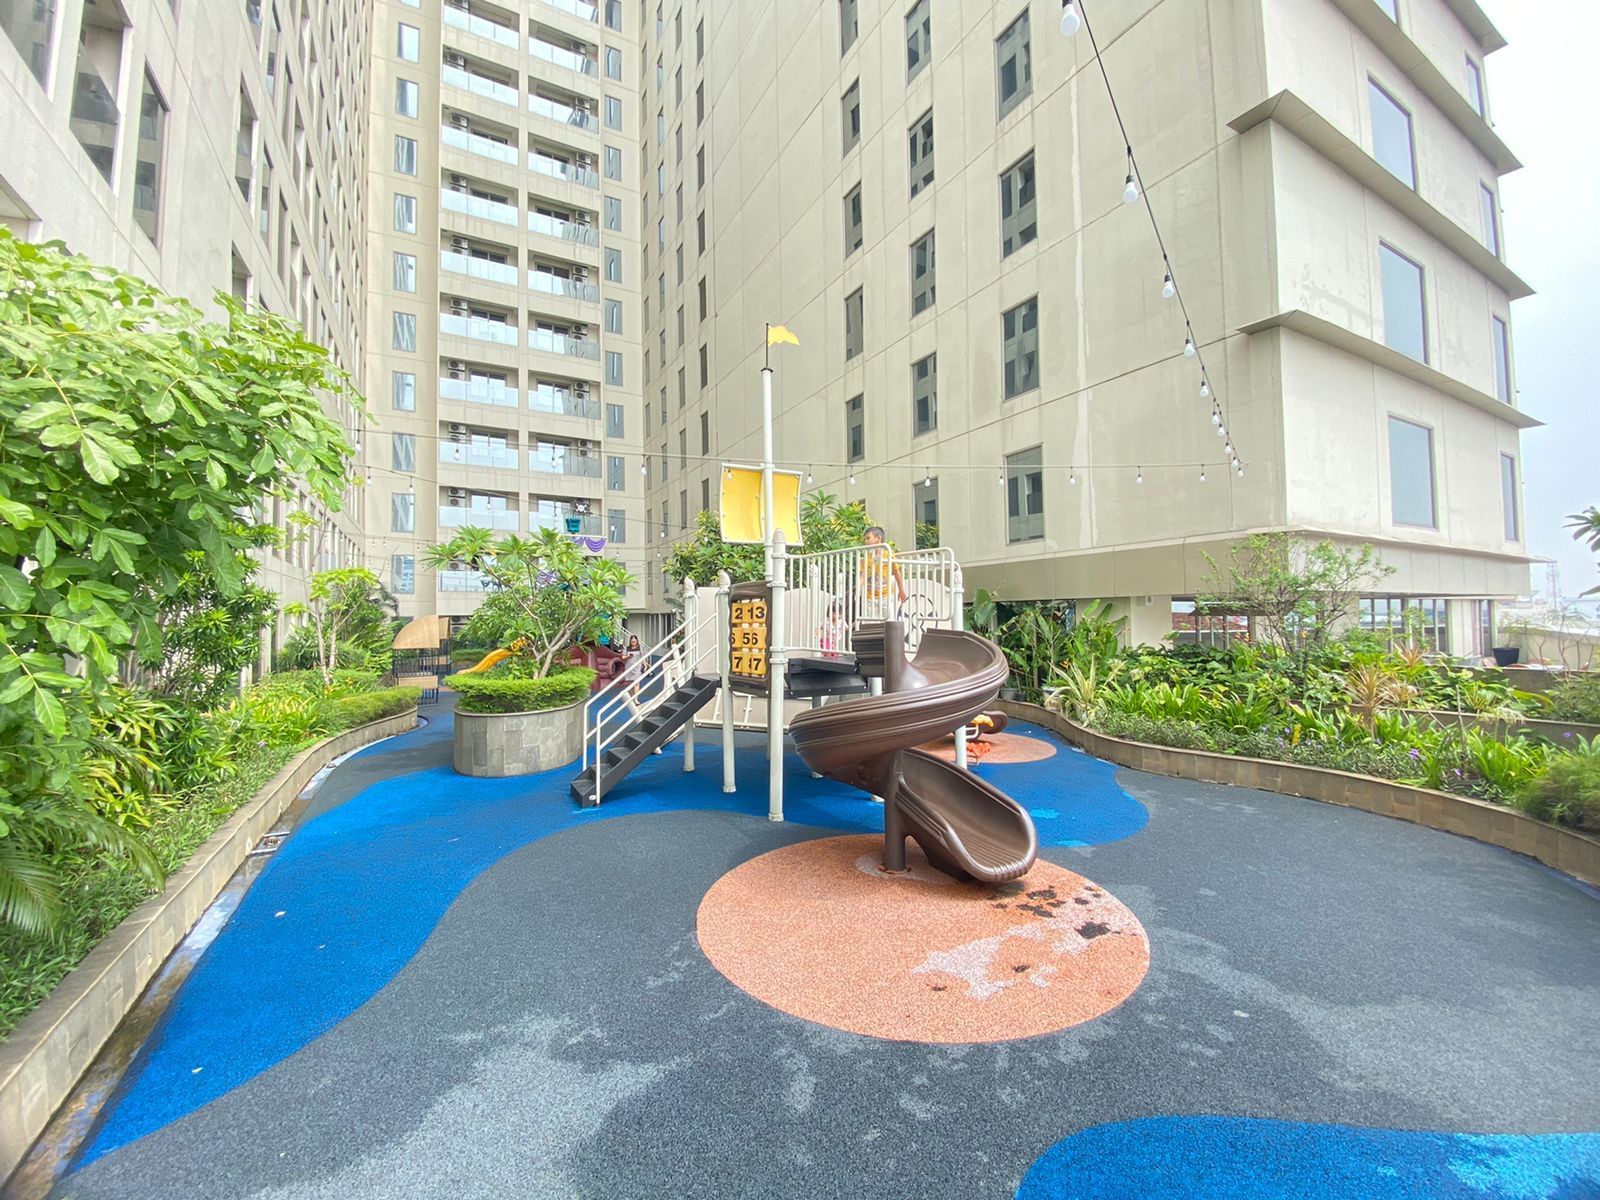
(504, 694)
(351, 711)
(1577, 699)
(1568, 793)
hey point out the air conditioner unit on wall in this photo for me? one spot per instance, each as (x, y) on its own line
(452, 59)
(458, 493)
(460, 243)
(456, 427)
(455, 364)
(459, 120)
(459, 306)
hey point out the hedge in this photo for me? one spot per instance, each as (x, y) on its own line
(502, 694)
(363, 707)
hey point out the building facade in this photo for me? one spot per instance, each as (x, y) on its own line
(207, 147)
(931, 195)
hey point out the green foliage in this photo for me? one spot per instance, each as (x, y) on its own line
(1568, 793)
(348, 607)
(550, 595)
(1577, 698)
(1585, 528)
(497, 693)
(825, 524)
(1299, 593)
(362, 708)
(927, 536)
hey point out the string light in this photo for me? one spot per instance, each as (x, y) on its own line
(1072, 476)
(1131, 192)
(1205, 389)
(852, 479)
(1000, 479)
(808, 473)
(927, 479)
(1140, 477)
(1216, 417)
(1070, 21)
(1202, 474)
(1168, 288)
(1188, 347)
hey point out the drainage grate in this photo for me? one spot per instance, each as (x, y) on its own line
(269, 842)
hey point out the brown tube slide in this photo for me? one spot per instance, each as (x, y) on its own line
(965, 826)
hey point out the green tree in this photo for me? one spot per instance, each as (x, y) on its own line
(347, 607)
(1585, 528)
(825, 524)
(550, 595)
(133, 432)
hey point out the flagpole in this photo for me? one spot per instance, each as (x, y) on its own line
(766, 455)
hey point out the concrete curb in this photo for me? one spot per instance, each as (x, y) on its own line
(46, 1054)
(1566, 850)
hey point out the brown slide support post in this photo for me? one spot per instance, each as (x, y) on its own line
(964, 825)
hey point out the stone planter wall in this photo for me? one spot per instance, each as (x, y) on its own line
(493, 745)
(1550, 731)
(1566, 850)
(44, 1057)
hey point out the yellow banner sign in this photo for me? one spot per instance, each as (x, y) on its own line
(741, 505)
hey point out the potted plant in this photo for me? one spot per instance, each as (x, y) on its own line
(546, 597)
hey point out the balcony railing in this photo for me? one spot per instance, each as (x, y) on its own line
(480, 85)
(457, 19)
(453, 516)
(555, 110)
(560, 56)
(478, 327)
(549, 458)
(556, 285)
(478, 268)
(558, 169)
(478, 454)
(464, 581)
(578, 8)
(543, 518)
(564, 343)
(473, 143)
(563, 402)
(479, 391)
(477, 206)
(583, 235)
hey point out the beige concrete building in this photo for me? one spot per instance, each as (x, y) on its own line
(930, 194)
(504, 317)
(207, 147)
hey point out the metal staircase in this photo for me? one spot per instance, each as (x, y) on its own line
(641, 737)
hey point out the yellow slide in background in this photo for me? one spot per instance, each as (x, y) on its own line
(488, 660)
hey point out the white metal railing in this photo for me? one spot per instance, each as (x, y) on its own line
(628, 699)
(476, 143)
(555, 227)
(479, 391)
(481, 328)
(831, 593)
(478, 268)
(480, 85)
(547, 164)
(561, 56)
(457, 19)
(477, 206)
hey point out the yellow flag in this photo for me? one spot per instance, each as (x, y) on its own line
(777, 335)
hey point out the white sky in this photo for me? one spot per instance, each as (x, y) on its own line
(1544, 97)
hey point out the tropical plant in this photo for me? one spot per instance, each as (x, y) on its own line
(346, 606)
(1577, 698)
(1373, 687)
(826, 523)
(1081, 689)
(1585, 528)
(1568, 793)
(498, 693)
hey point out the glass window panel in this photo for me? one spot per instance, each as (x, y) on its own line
(1018, 223)
(1475, 94)
(922, 273)
(852, 221)
(405, 213)
(615, 420)
(147, 163)
(1501, 333)
(405, 155)
(403, 390)
(404, 451)
(1025, 495)
(405, 331)
(925, 395)
(1489, 210)
(848, 24)
(402, 513)
(1392, 144)
(855, 423)
(402, 574)
(1404, 311)
(1014, 64)
(405, 272)
(1508, 496)
(1411, 473)
(406, 97)
(410, 43)
(854, 323)
(919, 37)
(920, 139)
(1021, 329)
(851, 116)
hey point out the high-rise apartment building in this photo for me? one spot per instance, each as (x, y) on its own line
(215, 146)
(503, 361)
(931, 195)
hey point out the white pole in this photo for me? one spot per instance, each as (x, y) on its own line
(957, 620)
(777, 664)
(766, 465)
(725, 660)
(691, 651)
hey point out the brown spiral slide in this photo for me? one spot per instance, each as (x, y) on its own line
(965, 826)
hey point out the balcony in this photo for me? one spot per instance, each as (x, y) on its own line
(474, 143)
(553, 342)
(480, 85)
(553, 458)
(454, 18)
(557, 168)
(478, 268)
(454, 516)
(556, 285)
(479, 391)
(560, 56)
(464, 581)
(562, 402)
(476, 206)
(546, 516)
(571, 231)
(479, 452)
(577, 8)
(480, 328)
(565, 114)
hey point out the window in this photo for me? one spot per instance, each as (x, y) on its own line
(1508, 496)
(847, 24)
(1489, 209)
(700, 41)
(854, 324)
(616, 473)
(410, 43)
(1475, 96)
(919, 38)
(613, 113)
(1018, 224)
(1411, 474)
(405, 272)
(405, 331)
(147, 164)
(1429, 627)
(1501, 333)
(613, 63)
(680, 324)
(855, 429)
(30, 25)
(614, 367)
(96, 104)
(1025, 495)
(700, 169)
(705, 366)
(699, 104)
(617, 526)
(1385, 617)
(1021, 328)
(852, 221)
(403, 391)
(1013, 56)
(405, 155)
(406, 96)
(613, 265)
(922, 289)
(705, 433)
(704, 299)
(613, 316)
(405, 213)
(683, 387)
(700, 232)
(244, 145)
(1391, 136)
(403, 452)
(1391, 8)
(402, 512)
(1404, 312)
(613, 213)
(615, 420)
(402, 574)
(925, 395)
(850, 116)
(613, 163)
(614, 14)
(921, 141)
(925, 505)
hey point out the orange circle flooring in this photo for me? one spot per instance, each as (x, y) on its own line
(995, 748)
(820, 931)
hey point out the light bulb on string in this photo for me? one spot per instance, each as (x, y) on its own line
(1205, 389)
(1202, 474)
(852, 480)
(808, 474)
(1139, 478)
(1072, 476)
(1240, 465)
(1071, 22)
(1000, 479)
(927, 479)
(1130, 193)
(1188, 347)
(1168, 288)
(1228, 449)
(1222, 430)
(1216, 417)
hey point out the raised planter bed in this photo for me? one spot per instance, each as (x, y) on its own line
(1566, 850)
(1551, 731)
(494, 745)
(54, 1045)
